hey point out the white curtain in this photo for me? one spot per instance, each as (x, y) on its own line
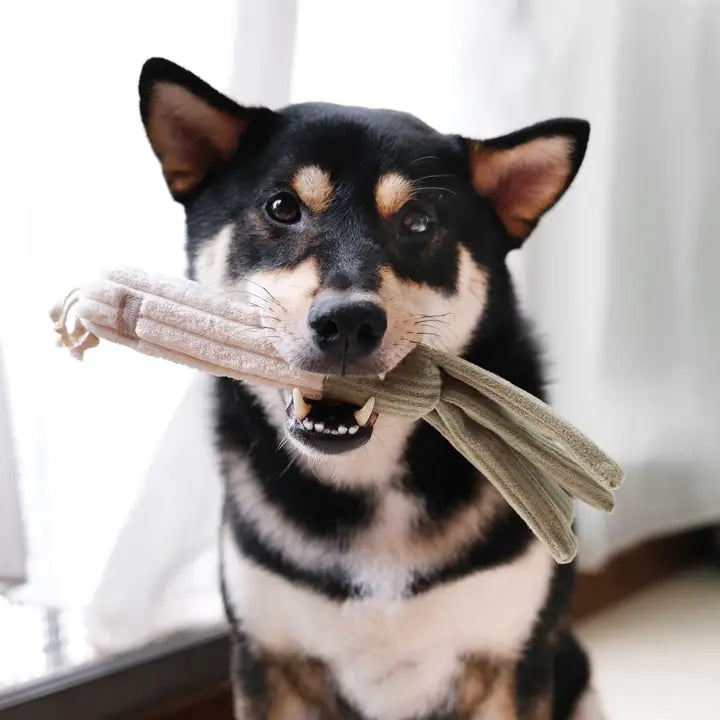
(82, 191)
(619, 278)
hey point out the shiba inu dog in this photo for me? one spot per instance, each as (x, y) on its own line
(368, 571)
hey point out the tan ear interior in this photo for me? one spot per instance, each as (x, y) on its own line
(189, 135)
(523, 181)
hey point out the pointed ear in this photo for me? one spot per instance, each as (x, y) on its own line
(192, 128)
(525, 173)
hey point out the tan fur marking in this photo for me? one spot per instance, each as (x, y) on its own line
(392, 191)
(452, 319)
(294, 289)
(310, 680)
(542, 707)
(314, 188)
(298, 689)
(283, 701)
(501, 704)
(474, 687)
(188, 135)
(290, 294)
(522, 181)
(486, 691)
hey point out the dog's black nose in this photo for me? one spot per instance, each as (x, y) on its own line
(347, 328)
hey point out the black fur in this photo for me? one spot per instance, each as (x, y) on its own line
(320, 510)
(350, 243)
(571, 675)
(535, 671)
(334, 584)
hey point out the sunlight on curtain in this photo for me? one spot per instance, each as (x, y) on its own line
(86, 193)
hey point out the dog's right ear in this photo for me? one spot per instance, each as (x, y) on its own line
(193, 129)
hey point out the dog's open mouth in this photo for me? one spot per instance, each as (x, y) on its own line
(329, 426)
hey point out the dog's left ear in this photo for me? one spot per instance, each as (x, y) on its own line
(525, 173)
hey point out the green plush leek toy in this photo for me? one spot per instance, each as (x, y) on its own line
(537, 460)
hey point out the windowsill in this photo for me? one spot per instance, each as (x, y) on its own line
(123, 685)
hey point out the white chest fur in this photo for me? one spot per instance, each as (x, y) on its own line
(393, 659)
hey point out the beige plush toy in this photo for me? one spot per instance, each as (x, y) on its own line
(537, 460)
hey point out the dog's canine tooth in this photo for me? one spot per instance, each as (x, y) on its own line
(382, 375)
(353, 429)
(319, 427)
(363, 414)
(308, 424)
(342, 429)
(301, 408)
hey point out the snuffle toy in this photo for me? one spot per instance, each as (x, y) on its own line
(537, 460)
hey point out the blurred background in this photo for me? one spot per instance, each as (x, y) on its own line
(107, 548)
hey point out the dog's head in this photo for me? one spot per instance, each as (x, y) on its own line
(355, 234)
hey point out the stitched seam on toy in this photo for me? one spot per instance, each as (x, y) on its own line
(128, 316)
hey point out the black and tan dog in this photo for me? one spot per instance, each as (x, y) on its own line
(368, 571)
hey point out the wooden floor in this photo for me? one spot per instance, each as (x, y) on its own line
(635, 570)
(656, 654)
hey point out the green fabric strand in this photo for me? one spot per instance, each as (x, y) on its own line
(564, 471)
(544, 507)
(537, 460)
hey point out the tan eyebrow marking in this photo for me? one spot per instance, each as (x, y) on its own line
(313, 186)
(392, 191)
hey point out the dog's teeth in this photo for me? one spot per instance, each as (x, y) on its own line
(342, 429)
(353, 429)
(363, 414)
(334, 432)
(301, 408)
(308, 424)
(319, 427)
(327, 431)
(382, 375)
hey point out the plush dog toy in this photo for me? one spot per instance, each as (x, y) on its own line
(536, 459)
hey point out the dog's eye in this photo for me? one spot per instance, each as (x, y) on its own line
(416, 221)
(283, 208)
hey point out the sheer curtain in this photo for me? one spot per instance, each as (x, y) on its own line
(621, 279)
(83, 191)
